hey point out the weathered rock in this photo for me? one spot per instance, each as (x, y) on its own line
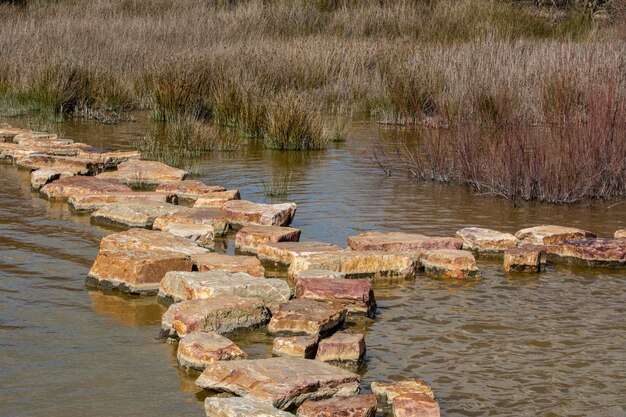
(296, 346)
(241, 407)
(415, 405)
(285, 252)
(109, 157)
(244, 213)
(355, 406)
(607, 253)
(486, 240)
(620, 234)
(341, 347)
(197, 350)
(93, 202)
(401, 242)
(189, 189)
(449, 263)
(387, 391)
(202, 234)
(149, 240)
(66, 187)
(43, 176)
(78, 166)
(551, 235)
(7, 133)
(133, 213)
(320, 273)
(217, 261)
(135, 271)
(249, 238)
(217, 199)
(282, 382)
(204, 285)
(38, 138)
(527, 258)
(302, 316)
(144, 173)
(208, 216)
(355, 295)
(219, 314)
(357, 264)
(10, 152)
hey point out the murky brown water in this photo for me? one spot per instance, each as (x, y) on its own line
(551, 345)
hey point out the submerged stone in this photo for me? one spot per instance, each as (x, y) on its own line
(282, 382)
(241, 407)
(244, 213)
(66, 187)
(607, 253)
(354, 406)
(110, 158)
(197, 350)
(93, 202)
(527, 258)
(551, 235)
(217, 261)
(149, 240)
(189, 189)
(285, 252)
(387, 391)
(217, 199)
(449, 263)
(355, 295)
(401, 242)
(134, 213)
(249, 238)
(137, 172)
(486, 240)
(306, 317)
(296, 346)
(201, 234)
(212, 217)
(341, 347)
(415, 405)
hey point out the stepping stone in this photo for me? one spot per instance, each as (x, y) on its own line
(415, 405)
(93, 202)
(283, 253)
(205, 285)
(244, 213)
(320, 273)
(201, 234)
(188, 189)
(7, 133)
(149, 240)
(355, 406)
(356, 264)
(306, 317)
(341, 347)
(620, 234)
(43, 176)
(10, 152)
(605, 253)
(386, 392)
(144, 173)
(219, 314)
(65, 187)
(281, 382)
(241, 407)
(109, 157)
(486, 240)
(60, 163)
(249, 238)
(216, 199)
(217, 261)
(210, 216)
(551, 235)
(401, 242)
(295, 346)
(355, 295)
(197, 350)
(135, 271)
(133, 213)
(449, 263)
(38, 138)
(527, 258)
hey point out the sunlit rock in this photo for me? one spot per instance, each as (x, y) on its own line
(43, 176)
(355, 295)
(341, 347)
(221, 262)
(241, 407)
(551, 235)
(219, 314)
(217, 199)
(189, 189)
(133, 213)
(320, 273)
(244, 213)
(93, 202)
(7, 132)
(197, 350)
(138, 173)
(386, 392)
(210, 216)
(449, 263)
(60, 163)
(415, 405)
(486, 240)
(620, 234)
(354, 406)
(401, 242)
(65, 187)
(283, 253)
(202, 234)
(249, 238)
(607, 253)
(149, 240)
(282, 382)
(306, 317)
(40, 138)
(295, 346)
(527, 258)
(109, 157)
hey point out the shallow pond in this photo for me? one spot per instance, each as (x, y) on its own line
(549, 345)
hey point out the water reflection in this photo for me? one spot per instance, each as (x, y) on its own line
(134, 311)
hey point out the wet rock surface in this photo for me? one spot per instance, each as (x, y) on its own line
(241, 407)
(415, 405)
(527, 258)
(486, 240)
(295, 346)
(245, 213)
(354, 406)
(249, 238)
(208, 216)
(144, 173)
(73, 186)
(306, 317)
(133, 213)
(355, 295)
(197, 350)
(609, 253)
(217, 261)
(401, 242)
(449, 263)
(551, 235)
(93, 202)
(217, 199)
(341, 347)
(149, 240)
(285, 252)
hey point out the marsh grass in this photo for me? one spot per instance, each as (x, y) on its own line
(277, 186)
(291, 125)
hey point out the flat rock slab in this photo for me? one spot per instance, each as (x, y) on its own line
(620, 234)
(295, 346)
(415, 405)
(284, 253)
(354, 406)
(42, 176)
(149, 240)
(551, 235)
(306, 317)
(134, 213)
(527, 258)
(110, 158)
(204, 285)
(387, 391)
(37, 138)
(249, 238)
(401, 242)
(135, 271)
(241, 407)
(72, 186)
(217, 261)
(144, 173)
(208, 216)
(449, 263)
(188, 189)
(357, 264)
(217, 199)
(197, 350)
(61, 163)
(201, 234)
(7, 132)
(320, 273)
(341, 347)
(355, 295)
(607, 253)
(93, 202)
(281, 382)
(244, 213)
(486, 240)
